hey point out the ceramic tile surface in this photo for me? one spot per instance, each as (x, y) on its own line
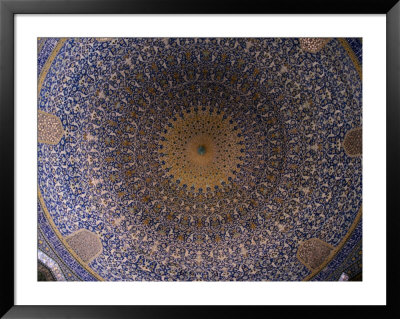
(212, 159)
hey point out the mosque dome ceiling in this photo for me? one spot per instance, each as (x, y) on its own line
(199, 159)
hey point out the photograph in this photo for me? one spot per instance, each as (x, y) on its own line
(199, 159)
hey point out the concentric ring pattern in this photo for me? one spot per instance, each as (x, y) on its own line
(198, 159)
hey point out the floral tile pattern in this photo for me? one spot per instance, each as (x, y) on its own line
(200, 159)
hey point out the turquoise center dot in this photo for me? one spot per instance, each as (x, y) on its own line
(201, 150)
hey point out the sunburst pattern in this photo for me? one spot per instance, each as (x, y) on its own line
(199, 159)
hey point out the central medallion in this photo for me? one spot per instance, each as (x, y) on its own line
(202, 149)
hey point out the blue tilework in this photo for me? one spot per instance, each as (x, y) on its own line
(356, 45)
(115, 97)
(46, 46)
(57, 251)
(343, 261)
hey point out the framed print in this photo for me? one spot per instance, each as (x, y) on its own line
(162, 154)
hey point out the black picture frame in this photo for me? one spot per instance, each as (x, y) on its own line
(8, 9)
